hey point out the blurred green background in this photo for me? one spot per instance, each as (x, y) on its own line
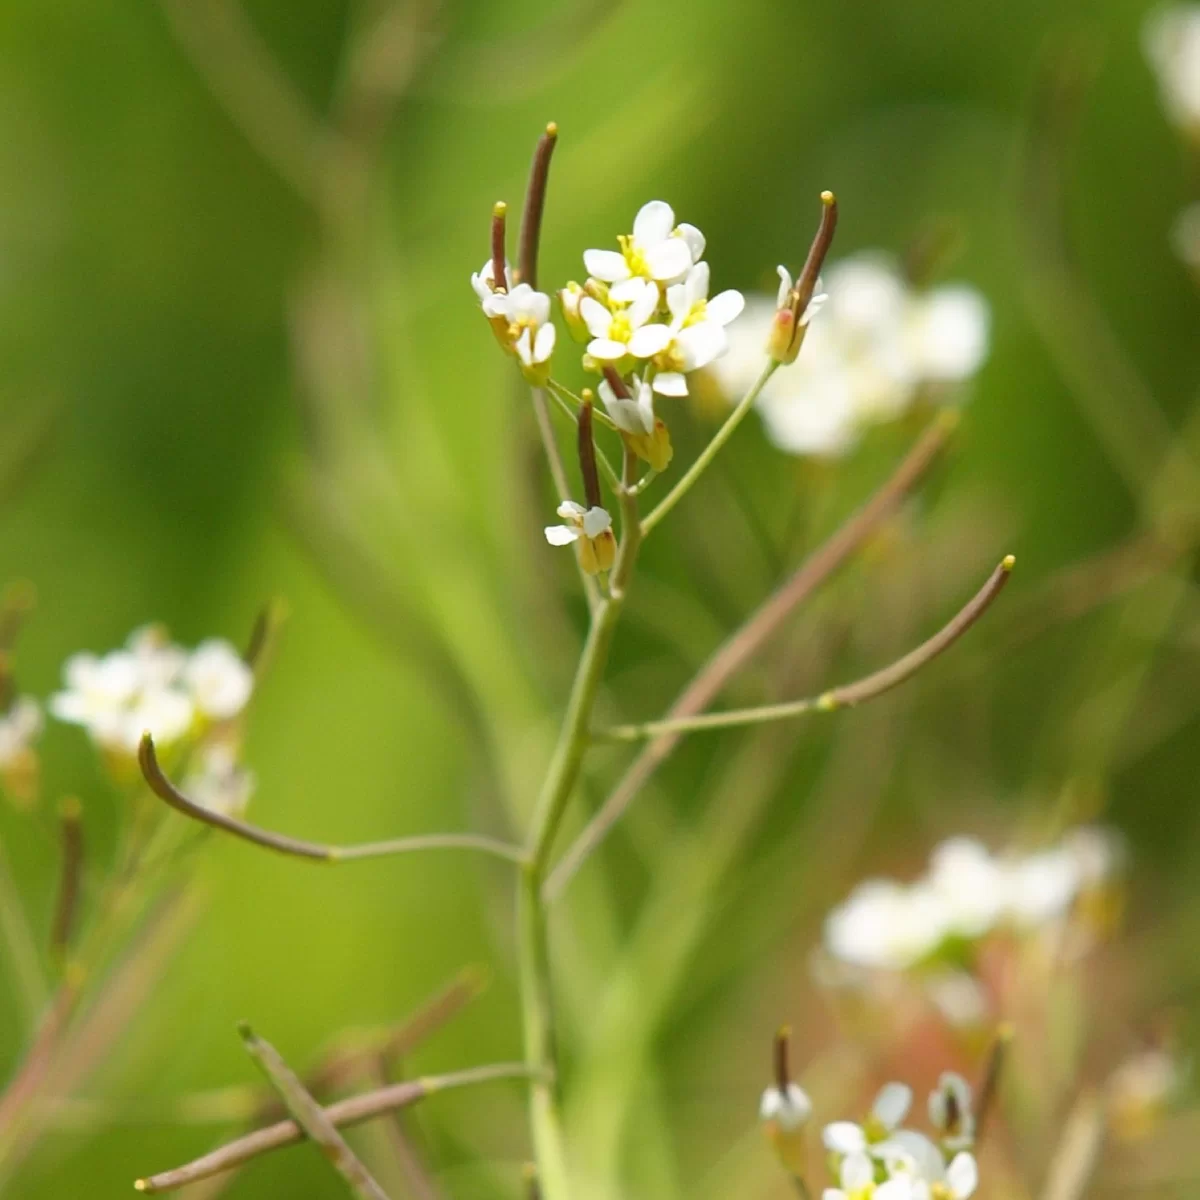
(228, 375)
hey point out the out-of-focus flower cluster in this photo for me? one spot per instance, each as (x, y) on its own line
(20, 727)
(968, 893)
(185, 699)
(878, 345)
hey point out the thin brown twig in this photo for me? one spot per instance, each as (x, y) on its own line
(311, 1117)
(313, 851)
(535, 206)
(749, 639)
(351, 1111)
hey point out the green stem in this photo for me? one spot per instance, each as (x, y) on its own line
(536, 989)
(709, 452)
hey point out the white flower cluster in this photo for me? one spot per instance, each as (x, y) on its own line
(966, 894)
(879, 1160)
(645, 307)
(876, 346)
(1171, 40)
(152, 686)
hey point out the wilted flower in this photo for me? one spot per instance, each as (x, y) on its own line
(633, 415)
(590, 530)
(657, 250)
(1171, 39)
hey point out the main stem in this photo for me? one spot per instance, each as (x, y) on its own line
(536, 992)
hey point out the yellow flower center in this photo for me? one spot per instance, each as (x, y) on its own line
(635, 260)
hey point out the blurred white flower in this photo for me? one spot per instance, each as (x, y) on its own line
(789, 1109)
(656, 250)
(886, 925)
(614, 325)
(218, 680)
(1171, 40)
(218, 782)
(889, 1109)
(970, 883)
(19, 729)
(1141, 1092)
(914, 1158)
(856, 1175)
(959, 997)
(877, 344)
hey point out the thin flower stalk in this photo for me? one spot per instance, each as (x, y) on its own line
(314, 851)
(844, 696)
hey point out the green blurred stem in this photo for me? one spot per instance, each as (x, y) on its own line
(563, 773)
(22, 946)
(844, 696)
(709, 452)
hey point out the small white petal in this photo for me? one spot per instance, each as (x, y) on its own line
(844, 1137)
(608, 265)
(670, 383)
(725, 307)
(962, 1176)
(653, 224)
(668, 260)
(677, 302)
(543, 346)
(595, 316)
(699, 344)
(524, 347)
(892, 1104)
(607, 350)
(570, 511)
(857, 1172)
(694, 239)
(596, 521)
(627, 290)
(643, 305)
(650, 340)
(561, 535)
(785, 285)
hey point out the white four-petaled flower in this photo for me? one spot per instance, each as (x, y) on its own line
(614, 325)
(890, 1108)
(656, 250)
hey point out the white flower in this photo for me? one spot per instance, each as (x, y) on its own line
(218, 782)
(116, 702)
(614, 325)
(591, 531)
(218, 680)
(890, 1108)
(656, 250)
(19, 727)
(959, 997)
(1171, 40)
(786, 283)
(857, 1178)
(950, 1111)
(530, 331)
(788, 1109)
(887, 925)
(695, 336)
(913, 1157)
